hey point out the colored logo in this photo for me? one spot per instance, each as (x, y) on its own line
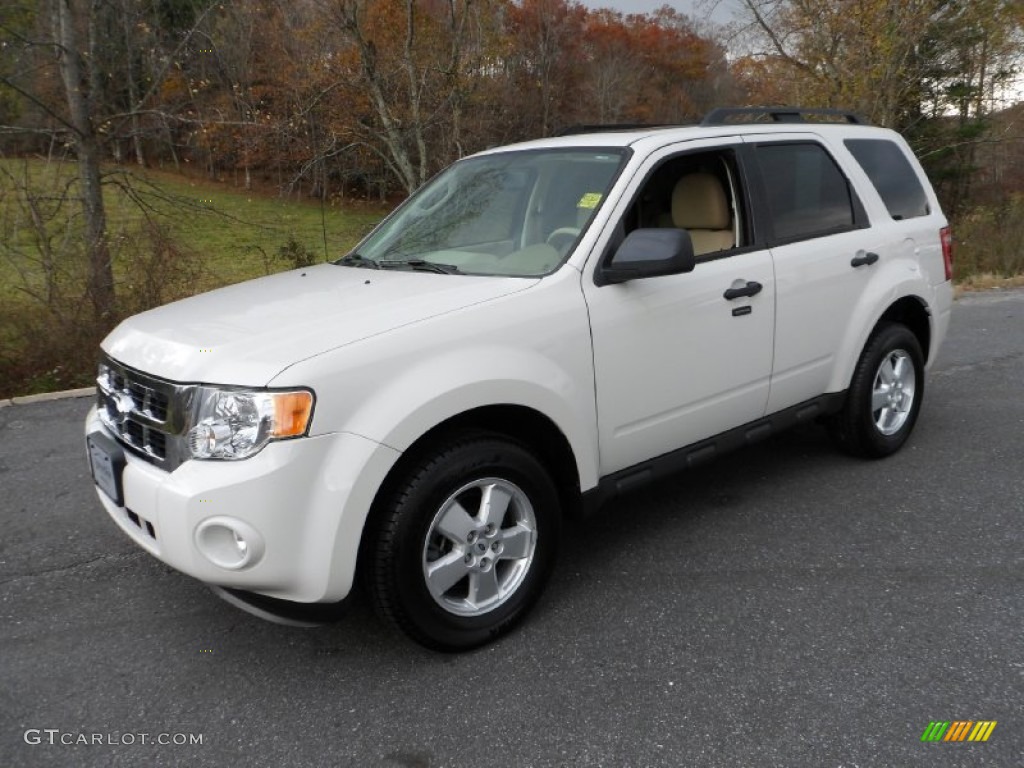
(958, 730)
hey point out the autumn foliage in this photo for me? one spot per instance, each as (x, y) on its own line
(332, 97)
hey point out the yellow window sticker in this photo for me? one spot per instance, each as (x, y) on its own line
(589, 200)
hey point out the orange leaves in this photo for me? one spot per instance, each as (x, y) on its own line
(586, 66)
(173, 87)
(647, 67)
(386, 92)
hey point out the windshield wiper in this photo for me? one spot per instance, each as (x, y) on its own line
(355, 260)
(423, 264)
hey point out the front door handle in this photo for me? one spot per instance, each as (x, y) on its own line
(750, 289)
(863, 259)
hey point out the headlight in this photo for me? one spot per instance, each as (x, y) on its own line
(234, 424)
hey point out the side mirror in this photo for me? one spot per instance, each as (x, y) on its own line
(648, 253)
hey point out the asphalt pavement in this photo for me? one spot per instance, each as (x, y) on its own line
(785, 606)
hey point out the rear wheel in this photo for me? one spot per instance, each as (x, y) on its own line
(885, 394)
(466, 542)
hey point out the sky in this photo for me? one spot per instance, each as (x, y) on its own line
(720, 11)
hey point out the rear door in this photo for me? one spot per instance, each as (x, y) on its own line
(823, 252)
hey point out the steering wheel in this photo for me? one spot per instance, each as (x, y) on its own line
(562, 238)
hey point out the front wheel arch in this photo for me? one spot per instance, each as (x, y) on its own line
(532, 429)
(396, 549)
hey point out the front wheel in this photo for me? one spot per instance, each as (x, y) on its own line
(465, 543)
(885, 394)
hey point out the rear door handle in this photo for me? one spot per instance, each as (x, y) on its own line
(863, 259)
(750, 289)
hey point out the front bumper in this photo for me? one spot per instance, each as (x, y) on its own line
(300, 506)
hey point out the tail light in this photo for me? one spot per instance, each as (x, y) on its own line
(947, 251)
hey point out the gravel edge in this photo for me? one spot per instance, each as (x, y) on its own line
(45, 397)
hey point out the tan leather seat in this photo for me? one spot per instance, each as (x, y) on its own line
(699, 206)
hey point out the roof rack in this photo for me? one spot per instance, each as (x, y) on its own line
(722, 115)
(572, 130)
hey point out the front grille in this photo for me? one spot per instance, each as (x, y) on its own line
(145, 414)
(146, 399)
(157, 442)
(148, 439)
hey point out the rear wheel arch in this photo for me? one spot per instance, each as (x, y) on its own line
(884, 396)
(913, 313)
(908, 308)
(848, 427)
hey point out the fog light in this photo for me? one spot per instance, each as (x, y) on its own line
(229, 543)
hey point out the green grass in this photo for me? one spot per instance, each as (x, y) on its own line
(988, 244)
(237, 234)
(219, 235)
(240, 233)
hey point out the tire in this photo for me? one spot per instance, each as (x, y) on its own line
(885, 395)
(465, 543)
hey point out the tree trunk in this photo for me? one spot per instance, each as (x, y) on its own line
(133, 88)
(77, 91)
(390, 133)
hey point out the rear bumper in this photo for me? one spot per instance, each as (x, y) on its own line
(299, 505)
(941, 310)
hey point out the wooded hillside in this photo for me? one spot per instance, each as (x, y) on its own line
(343, 100)
(321, 94)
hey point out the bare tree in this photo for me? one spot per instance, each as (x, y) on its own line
(860, 55)
(68, 19)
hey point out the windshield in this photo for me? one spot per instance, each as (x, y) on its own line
(511, 213)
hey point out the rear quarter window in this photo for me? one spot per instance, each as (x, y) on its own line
(894, 178)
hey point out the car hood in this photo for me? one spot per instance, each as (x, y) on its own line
(246, 334)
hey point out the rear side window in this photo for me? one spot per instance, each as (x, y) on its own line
(891, 173)
(807, 195)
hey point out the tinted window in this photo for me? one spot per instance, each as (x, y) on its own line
(891, 173)
(807, 195)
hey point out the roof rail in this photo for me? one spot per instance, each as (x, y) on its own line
(572, 130)
(721, 115)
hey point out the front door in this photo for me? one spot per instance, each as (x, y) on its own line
(676, 361)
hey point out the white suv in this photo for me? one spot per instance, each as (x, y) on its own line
(538, 328)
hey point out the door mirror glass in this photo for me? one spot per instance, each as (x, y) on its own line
(649, 253)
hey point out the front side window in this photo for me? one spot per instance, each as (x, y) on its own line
(698, 192)
(806, 194)
(512, 213)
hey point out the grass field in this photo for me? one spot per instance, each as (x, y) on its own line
(219, 234)
(237, 233)
(241, 233)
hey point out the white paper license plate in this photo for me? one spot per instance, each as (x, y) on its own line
(107, 461)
